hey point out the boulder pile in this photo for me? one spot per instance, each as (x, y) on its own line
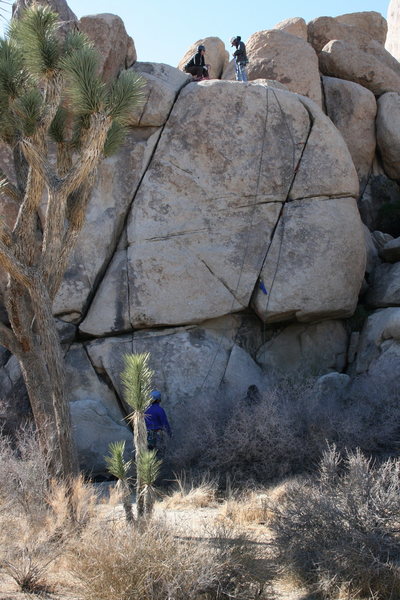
(239, 228)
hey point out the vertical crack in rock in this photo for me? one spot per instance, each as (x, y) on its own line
(280, 220)
(251, 213)
(118, 234)
(106, 379)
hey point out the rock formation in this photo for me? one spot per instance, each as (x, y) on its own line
(225, 237)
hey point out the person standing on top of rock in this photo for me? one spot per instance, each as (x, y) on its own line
(196, 65)
(240, 57)
(156, 423)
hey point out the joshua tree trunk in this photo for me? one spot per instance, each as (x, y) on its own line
(140, 441)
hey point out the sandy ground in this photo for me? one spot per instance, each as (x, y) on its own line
(195, 523)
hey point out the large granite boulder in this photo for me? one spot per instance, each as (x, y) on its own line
(116, 48)
(380, 341)
(309, 273)
(295, 26)
(117, 180)
(199, 229)
(352, 108)
(324, 29)
(275, 54)
(393, 20)
(370, 21)
(391, 251)
(216, 55)
(384, 288)
(162, 85)
(388, 133)
(189, 364)
(97, 418)
(346, 60)
(312, 349)
(378, 201)
(59, 6)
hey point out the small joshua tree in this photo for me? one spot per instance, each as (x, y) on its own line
(136, 379)
(50, 97)
(119, 467)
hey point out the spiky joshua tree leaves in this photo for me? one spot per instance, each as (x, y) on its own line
(119, 467)
(136, 379)
(50, 90)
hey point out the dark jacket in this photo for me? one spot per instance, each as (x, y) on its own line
(240, 53)
(197, 60)
(156, 418)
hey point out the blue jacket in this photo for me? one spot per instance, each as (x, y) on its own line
(156, 418)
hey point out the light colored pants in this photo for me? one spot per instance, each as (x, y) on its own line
(241, 73)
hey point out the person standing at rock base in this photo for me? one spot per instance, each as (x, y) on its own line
(240, 57)
(196, 65)
(156, 423)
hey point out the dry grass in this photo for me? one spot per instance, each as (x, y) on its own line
(115, 562)
(190, 495)
(254, 506)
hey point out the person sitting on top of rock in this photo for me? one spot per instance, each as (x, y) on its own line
(196, 65)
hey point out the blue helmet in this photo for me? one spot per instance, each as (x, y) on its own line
(200, 48)
(155, 395)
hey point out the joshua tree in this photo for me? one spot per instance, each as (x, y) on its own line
(50, 90)
(119, 467)
(136, 378)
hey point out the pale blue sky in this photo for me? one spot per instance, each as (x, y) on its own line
(163, 30)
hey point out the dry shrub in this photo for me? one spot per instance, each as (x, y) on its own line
(191, 495)
(26, 552)
(71, 506)
(23, 474)
(285, 432)
(123, 563)
(341, 532)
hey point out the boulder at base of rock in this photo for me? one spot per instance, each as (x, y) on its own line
(352, 108)
(382, 329)
(346, 60)
(216, 55)
(275, 54)
(384, 288)
(295, 26)
(116, 48)
(316, 263)
(96, 416)
(393, 35)
(305, 349)
(370, 21)
(391, 251)
(188, 363)
(388, 133)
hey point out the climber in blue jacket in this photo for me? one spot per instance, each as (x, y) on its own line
(156, 423)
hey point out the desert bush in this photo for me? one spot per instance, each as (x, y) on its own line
(27, 556)
(120, 563)
(286, 431)
(341, 531)
(23, 473)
